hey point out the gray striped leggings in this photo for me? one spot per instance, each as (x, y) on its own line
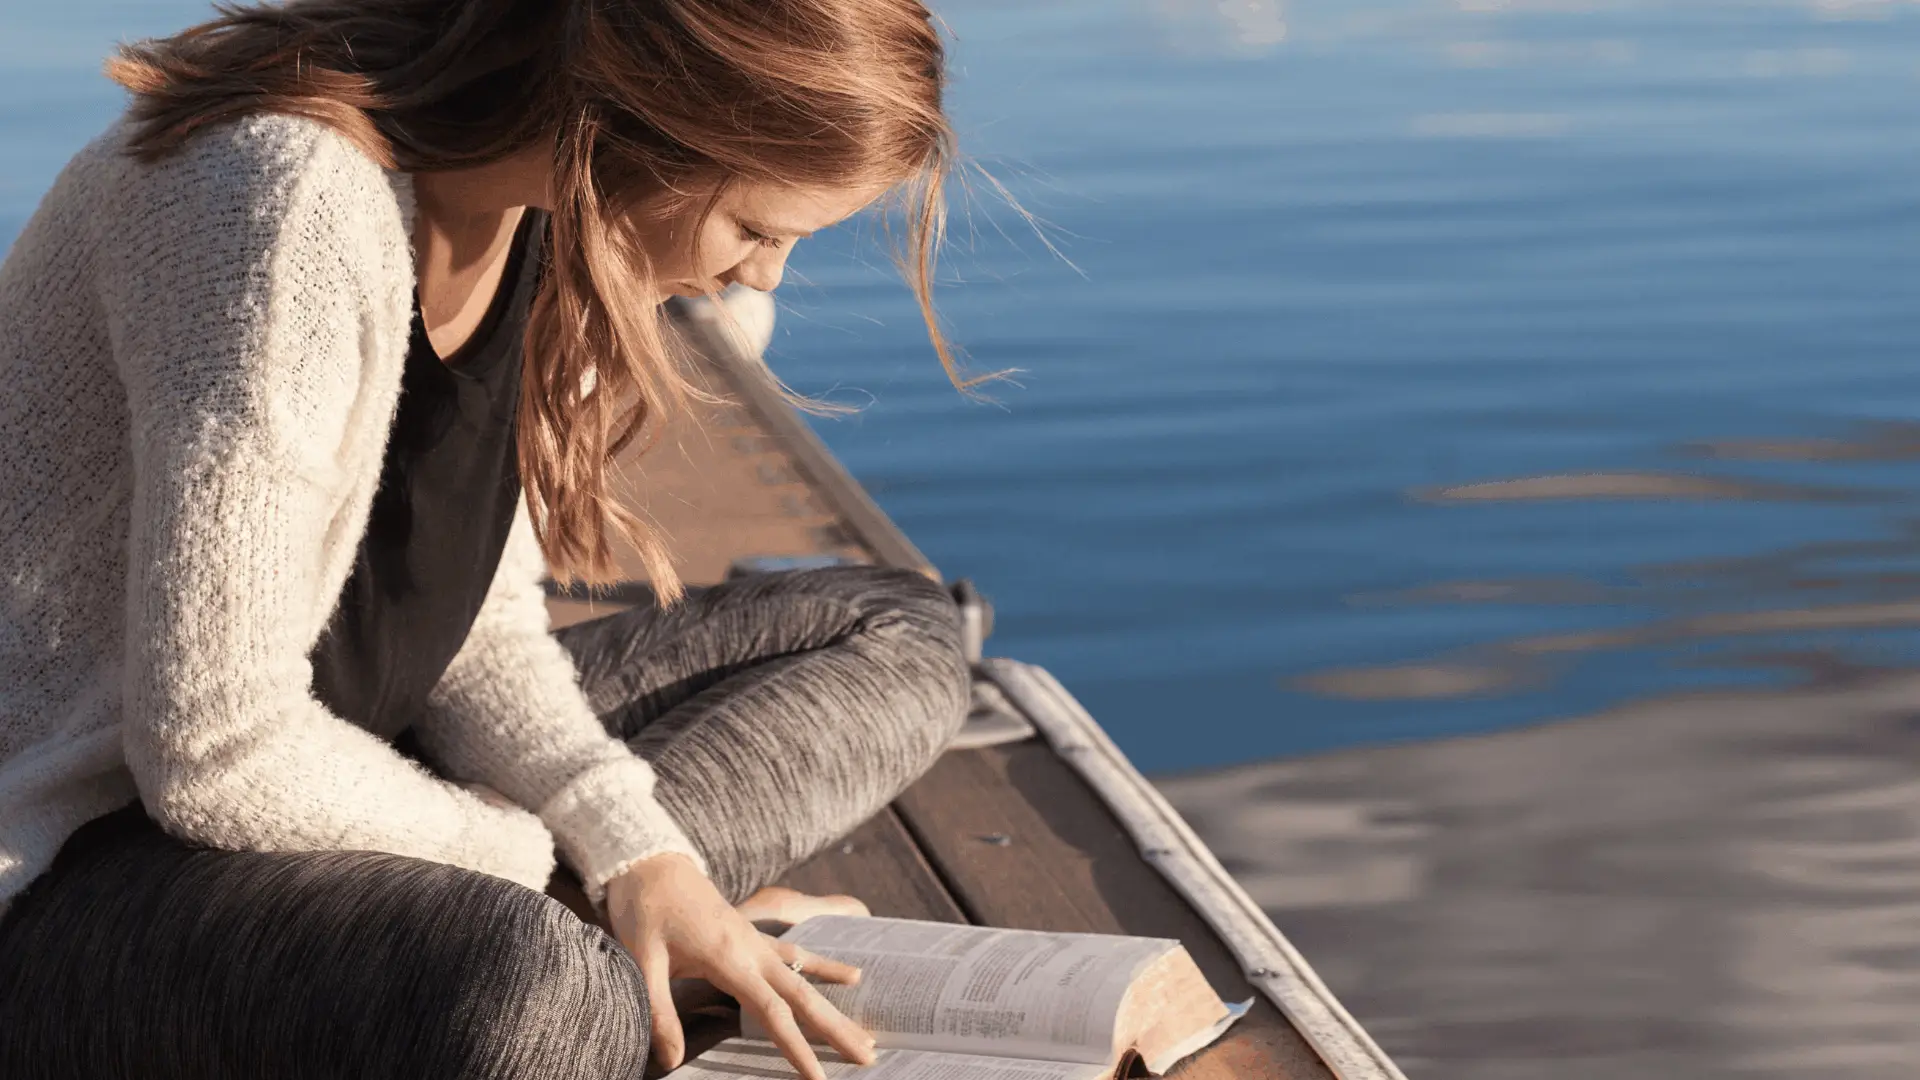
(779, 711)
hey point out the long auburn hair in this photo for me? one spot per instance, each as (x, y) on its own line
(645, 102)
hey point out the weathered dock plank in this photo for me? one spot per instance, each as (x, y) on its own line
(719, 488)
(883, 866)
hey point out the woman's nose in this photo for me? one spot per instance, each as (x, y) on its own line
(761, 273)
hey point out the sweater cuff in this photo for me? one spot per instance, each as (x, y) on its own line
(606, 819)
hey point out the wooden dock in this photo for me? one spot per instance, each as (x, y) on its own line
(1008, 835)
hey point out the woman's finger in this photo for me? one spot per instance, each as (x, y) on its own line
(822, 1017)
(669, 1039)
(815, 966)
(776, 1016)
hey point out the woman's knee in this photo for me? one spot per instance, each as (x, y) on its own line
(318, 964)
(914, 614)
(512, 984)
(432, 970)
(913, 634)
(883, 590)
(910, 625)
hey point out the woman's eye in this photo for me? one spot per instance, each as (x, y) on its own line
(757, 237)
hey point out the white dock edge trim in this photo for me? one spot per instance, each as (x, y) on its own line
(1167, 843)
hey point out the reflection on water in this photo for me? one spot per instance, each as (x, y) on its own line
(1631, 486)
(1816, 588)
(1700, 885)
(1696, 887)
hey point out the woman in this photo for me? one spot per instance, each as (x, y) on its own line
(315, 363)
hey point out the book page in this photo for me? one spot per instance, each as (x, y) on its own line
(979, 990)
(756, 1059)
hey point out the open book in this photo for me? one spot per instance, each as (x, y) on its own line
(949, 1002)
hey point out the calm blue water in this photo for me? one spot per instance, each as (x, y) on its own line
(1411, 370)
(1337, 256)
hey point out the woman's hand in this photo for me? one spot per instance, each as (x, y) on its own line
(677, 925)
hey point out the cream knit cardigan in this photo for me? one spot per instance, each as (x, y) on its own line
(201, 362)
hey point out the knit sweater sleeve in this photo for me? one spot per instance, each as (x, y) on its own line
(509, 712)
(250, 278)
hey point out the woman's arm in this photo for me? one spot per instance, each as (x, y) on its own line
(509, 713)
(253, 279)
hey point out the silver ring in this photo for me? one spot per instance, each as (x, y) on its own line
(799, 966)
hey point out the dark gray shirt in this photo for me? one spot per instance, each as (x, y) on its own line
(449, 487)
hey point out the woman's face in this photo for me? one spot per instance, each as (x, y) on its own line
(748, 236)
